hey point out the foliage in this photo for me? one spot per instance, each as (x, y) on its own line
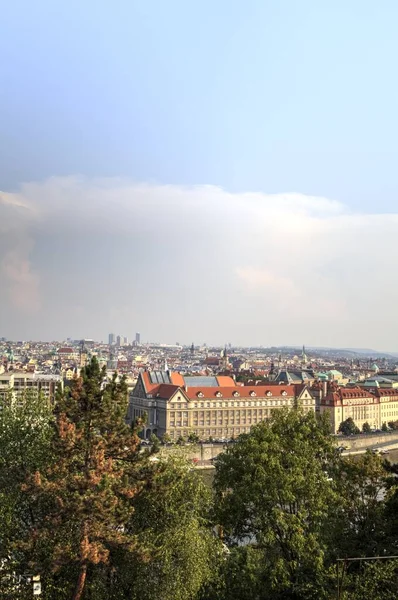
(366, 428)
(273, 488)
(348, 427)
(358, 524)
(171, 519)
(377, 580)
(82, 500)
(155, 441)
(25, 447)
(384, 427)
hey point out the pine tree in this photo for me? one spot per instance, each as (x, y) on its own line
(84, 497)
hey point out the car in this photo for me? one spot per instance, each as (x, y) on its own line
(384, 451)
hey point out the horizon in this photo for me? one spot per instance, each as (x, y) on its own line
(200, 167)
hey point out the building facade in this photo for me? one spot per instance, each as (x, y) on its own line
(208, 406)
(17, 384)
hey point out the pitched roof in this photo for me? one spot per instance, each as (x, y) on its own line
(225, 381)
(176, 378)
(243, 392)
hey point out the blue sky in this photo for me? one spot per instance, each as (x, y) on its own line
(262, 96)
(257, 95)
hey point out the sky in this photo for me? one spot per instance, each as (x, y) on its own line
(213, 171)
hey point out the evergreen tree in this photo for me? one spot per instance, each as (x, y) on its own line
(84, 496)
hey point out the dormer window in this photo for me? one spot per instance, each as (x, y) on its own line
(252, 393)
(236, 394)
(268, 394)
(200, 394)
(219, 394)
(284, 393)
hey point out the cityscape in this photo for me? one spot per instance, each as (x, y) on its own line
(198, 300)
(214, 393)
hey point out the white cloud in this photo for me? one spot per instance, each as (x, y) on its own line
(201, 262)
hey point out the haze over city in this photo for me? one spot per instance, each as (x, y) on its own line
(197, 173)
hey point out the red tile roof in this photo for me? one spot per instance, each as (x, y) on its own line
(225, 381)
(244, 392)
(177, 378)
(386, 392)
(165, 390)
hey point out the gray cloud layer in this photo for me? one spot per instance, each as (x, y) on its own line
(83, 257)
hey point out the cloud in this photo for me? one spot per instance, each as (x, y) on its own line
(23, 282)
(199, 262)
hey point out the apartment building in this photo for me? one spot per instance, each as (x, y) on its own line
(17, 383)
(208, 406)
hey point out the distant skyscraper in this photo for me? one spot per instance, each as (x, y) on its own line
(119, 340)
(138, 338)
(125, 341)
(111, 339)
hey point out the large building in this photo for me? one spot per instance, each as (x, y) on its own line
(18, 383)
(375, 407)
(208, 406)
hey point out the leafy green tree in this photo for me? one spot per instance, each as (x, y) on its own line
(384, 427)
(25, 447)
(274, 489)
(239, 577)
(366, 428)
(348, 427)
(171, 519)
(358, 524)
(193, 438)
(377, 580)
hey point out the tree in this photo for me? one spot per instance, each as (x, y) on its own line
(376, 580)
(155, 441)
(25, 447)
(171, 519)
(358, 525)
(240, 576)
(166, 438)
(384, 427)
(274, 489)
(348, 427)
(84, 496)
(366, 428)
(193, 438)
